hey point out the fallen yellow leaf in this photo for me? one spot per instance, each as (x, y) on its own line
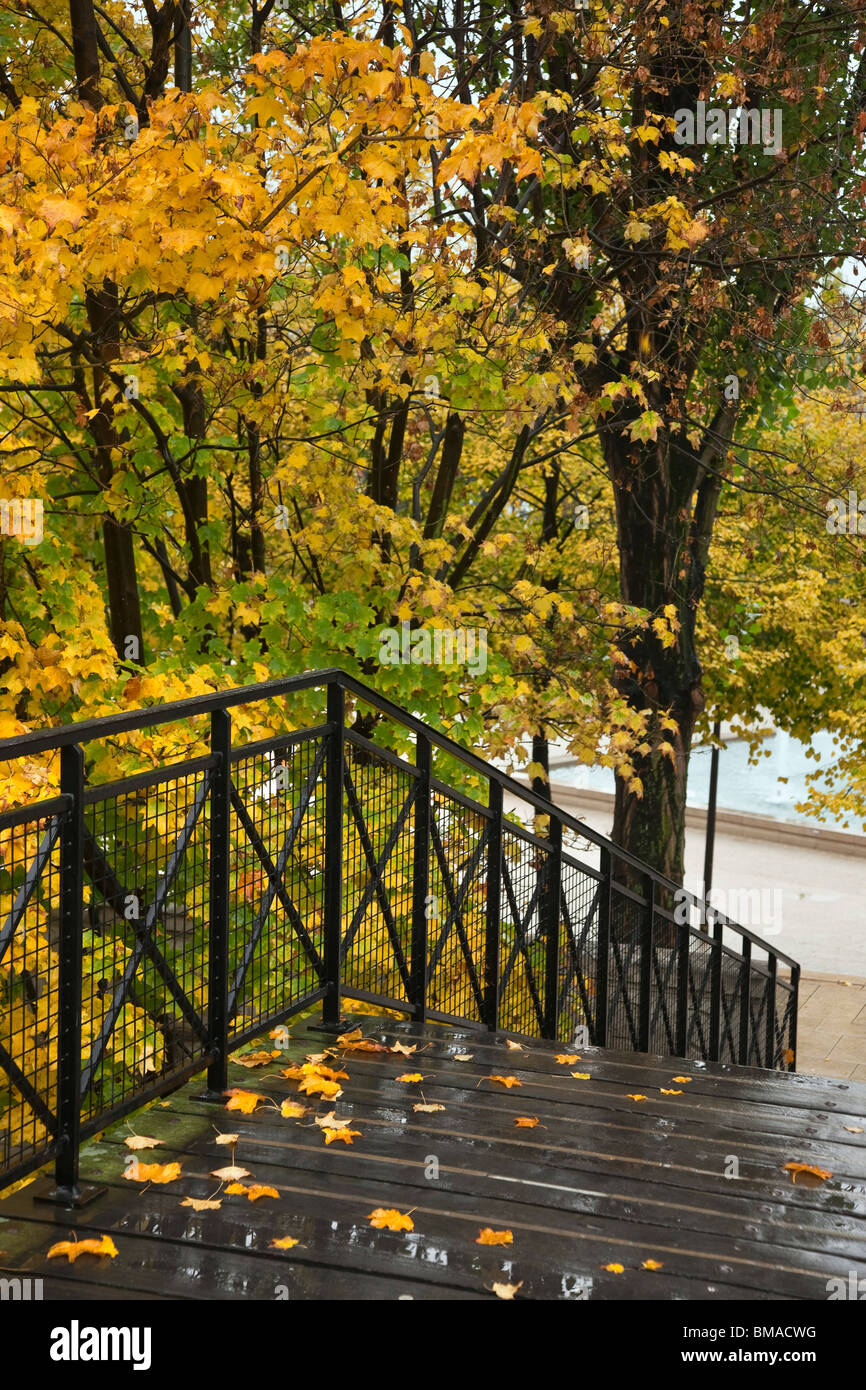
(427, 1109)
(346, 1135)
(292, 1110)
(614, 1269)
(652, 1264)
(154, 1172)
(243, 1101)
(226, 1139)
(665, 1092)
(284, 1243)
(255, 1059)
(487, 1236)
(581, 1075)
(319, 1086)
(636, 1096)
(103, 1245)
(201, 1204)
(253, 1192)
(681, 1078)
(507, 1291)
(508, 1081)
(410, 1076)
(794, 1168)
(526, 1121)
(567, 1059)
(141, 1141)
(387, 1219)
(230, 1174)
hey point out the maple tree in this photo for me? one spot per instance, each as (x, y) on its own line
(319, 323)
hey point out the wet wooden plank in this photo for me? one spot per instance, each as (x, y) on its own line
(602, 1180)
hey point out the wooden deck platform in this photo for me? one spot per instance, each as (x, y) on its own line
(604, 1181)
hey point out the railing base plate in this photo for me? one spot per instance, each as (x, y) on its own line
(341, 1026)
(47, 1193)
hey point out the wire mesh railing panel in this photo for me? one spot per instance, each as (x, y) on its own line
(761, 999)
(378, 811)
(580, 903)
(30, 849)
(624, 972)
(784, 1000)
(277, 880)
(525, 915)
(664, 990)
(144, 983)
(699, 990)
(730, 1002)
(457, 929)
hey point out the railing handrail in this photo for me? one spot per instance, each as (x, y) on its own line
(86, 730)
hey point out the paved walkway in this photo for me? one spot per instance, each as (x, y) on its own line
(804, 891)
(831, 1038)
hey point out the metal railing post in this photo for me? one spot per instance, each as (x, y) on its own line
(646, 960)
(601, 970)
(745, 1000)
(420, 881)
(66, 1189)
(218, 935)
(681, 1042)
(493, 909)
(332, 944)
(795, 1004)
(770, 1030)
(551, 929)
(713, 1042)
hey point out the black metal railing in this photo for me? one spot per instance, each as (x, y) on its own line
(151, 925)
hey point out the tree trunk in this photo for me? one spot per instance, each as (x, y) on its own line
(662, 549)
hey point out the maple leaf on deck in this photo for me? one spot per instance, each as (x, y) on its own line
(254, 1192)
(526, 1121)
(141, 1141)
(230, 1174)
(487, 1236)
(201, 1204)
(508, 1081)
(581, 1075)
(320, 1086)
(347, 1135)
(284, 1243)
(154, 1172)
(292, 1110)
(614, 1269)
(243, 1101)
(102, 1245)
(255, 1059)
(822, 1174)
(410, 1076)
(652, 1264)
(402, 1050)
(424, 1109)
(567, 1059)
(224, 1139)
(506, 1291)
(387, 1219)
